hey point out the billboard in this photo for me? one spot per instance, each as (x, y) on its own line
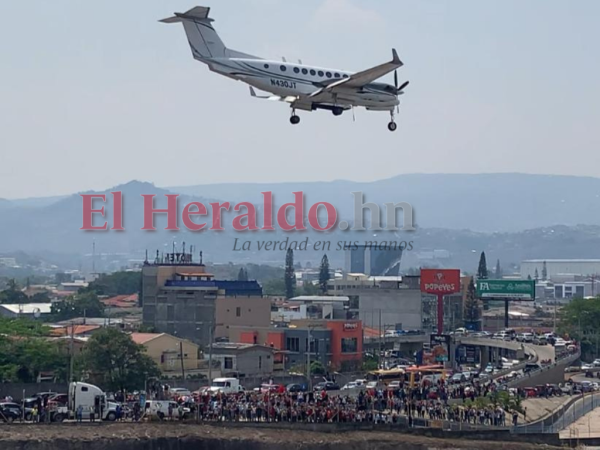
(440, 281)
(440, 347)
(506, 289)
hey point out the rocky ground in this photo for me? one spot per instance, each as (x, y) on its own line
(173, 436)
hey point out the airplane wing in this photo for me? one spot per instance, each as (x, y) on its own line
(365, 77)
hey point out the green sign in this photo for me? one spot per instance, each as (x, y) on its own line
(502, 289)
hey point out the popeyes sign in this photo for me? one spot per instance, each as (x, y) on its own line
(440, 281)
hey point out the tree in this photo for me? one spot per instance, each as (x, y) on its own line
(274, 287)
(580, 320)
(471, 312)
(529, 277)
(309, 289)
(115, 362)
(544, 272)
(324, 274)
(482, 272)
(537, 275)
(118, 283)
(13, 294)
(290, 275)
(82, 304)
(498, 273)
(242, 275)
(25, 351)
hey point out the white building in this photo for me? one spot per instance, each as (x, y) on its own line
(31, 310)
(560, 267)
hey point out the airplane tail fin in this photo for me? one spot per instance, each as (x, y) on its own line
(202, 36)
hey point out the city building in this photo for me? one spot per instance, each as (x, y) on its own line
(242, 359)
(252, 311)
(559, 267)
(29, 310)
(373, 259)
(180, 298)
(387, 302)
(336, 344)
(312, 307)
(170, 352)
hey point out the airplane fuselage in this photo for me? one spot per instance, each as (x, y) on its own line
(299, 80)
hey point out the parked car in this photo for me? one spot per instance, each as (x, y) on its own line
(394, 384)
(295, 388)
(349, 386)
(8, 415)
(14, 407)
(326, 386)
(180, 392)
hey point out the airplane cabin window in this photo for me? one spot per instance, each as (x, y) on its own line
(345, 76)
(266, 66)
(321, 73)
(283, 68)
(337, 75)
(296, 70)
(312, 72)
(328, 74)
(304, 71)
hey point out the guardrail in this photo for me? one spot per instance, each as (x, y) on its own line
(564, 416)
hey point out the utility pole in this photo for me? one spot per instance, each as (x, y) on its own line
(308, 374)
(210, 344)
(181, 358)
(554, 321)
(71, 352)
(380, 338)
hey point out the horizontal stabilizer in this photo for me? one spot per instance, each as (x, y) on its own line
(198, 13)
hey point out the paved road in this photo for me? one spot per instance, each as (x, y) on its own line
(586, 426)
(541, 407)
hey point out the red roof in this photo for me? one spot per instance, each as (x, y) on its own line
(371, 332)
(121, 301)
(76, 330)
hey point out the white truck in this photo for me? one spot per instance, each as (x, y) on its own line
(226, 386)
(89, 398)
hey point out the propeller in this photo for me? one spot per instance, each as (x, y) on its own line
(399, 89)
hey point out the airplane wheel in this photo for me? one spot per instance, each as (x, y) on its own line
(392, 126)
(337, 111)
(294, 120)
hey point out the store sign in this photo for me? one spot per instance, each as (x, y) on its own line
(178, 258)
(350, 326)
(440, 281)
(506, 289)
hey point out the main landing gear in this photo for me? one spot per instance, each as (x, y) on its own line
(392, 126)
(294, 119)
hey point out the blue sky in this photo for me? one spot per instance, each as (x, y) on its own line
(94, 94)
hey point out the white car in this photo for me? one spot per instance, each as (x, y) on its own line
(371, 385)
(585, 367)
(180, 392)
(350, 385)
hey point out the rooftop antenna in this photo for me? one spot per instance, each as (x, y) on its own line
(156, 261)
(200, 256)
(300, 61)
(283, 59)
(183, 248)
(146, 260)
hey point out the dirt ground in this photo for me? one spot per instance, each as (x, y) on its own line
(123, 435)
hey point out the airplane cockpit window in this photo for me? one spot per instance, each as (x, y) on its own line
(283, 68)
(304, 71)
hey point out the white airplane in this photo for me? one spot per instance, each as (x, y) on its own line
(304, 87)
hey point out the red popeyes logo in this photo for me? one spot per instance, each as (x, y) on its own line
(440, 281)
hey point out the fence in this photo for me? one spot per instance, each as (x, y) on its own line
(565, 416)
